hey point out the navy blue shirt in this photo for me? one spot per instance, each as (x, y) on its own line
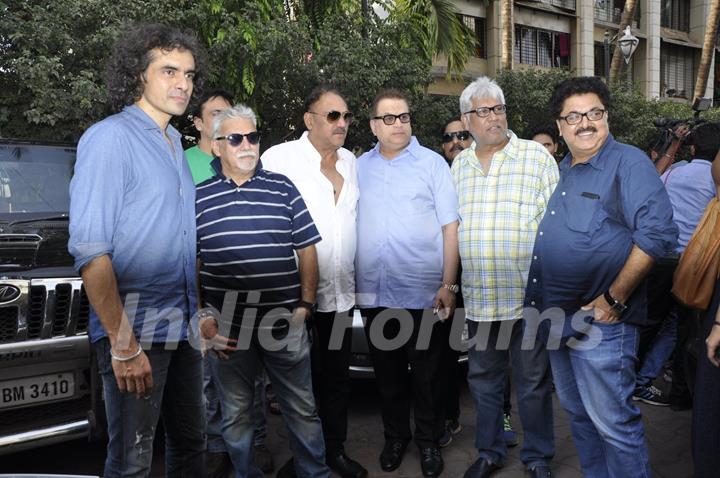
(247, 236)
(132, 198)
(599, 210)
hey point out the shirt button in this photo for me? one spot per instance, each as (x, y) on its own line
(541, 233)
(552, 213)
(534, 257)
(532, 302)
(563, 193)
(534, 281)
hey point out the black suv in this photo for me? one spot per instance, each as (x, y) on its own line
(49, 390)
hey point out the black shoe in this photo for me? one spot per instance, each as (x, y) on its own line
(345, 466)
(217, 465)
(392, 455)
(431, 461)
(287, 470)
(482, 468)
(540, 471)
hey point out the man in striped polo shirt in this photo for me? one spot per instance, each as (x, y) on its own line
(251, 223)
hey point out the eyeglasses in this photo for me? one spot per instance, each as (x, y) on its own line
(236, 139)
(460, 135)
(574, 117)
(334, 116)
(390, 119)
(484, 111)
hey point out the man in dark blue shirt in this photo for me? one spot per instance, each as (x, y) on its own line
(607, 222)
(250, 225)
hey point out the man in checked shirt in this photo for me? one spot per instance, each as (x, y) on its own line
(503, 185)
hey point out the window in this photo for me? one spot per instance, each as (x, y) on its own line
(675, 14)
(599, 51)
(610, 11)
(477, 26)
(677, 71)
(534, 46)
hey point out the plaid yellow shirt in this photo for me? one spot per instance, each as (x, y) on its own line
(499, 216)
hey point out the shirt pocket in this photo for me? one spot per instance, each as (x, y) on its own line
(411, 201)
(583, 213)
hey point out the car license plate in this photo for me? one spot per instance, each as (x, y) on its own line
(42, 388)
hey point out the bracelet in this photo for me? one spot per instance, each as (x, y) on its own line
(717, 322)
(128, 358)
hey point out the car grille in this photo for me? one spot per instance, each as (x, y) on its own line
(45, 308)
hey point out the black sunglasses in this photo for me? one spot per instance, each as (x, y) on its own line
(334, 116)
(236, 139)
(460, 135)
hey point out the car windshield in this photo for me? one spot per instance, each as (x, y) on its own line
(34, 179)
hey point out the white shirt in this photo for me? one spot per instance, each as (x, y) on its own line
(300, 162)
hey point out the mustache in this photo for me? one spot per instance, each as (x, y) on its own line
(246, 154)
(589, 129)
(339, 130)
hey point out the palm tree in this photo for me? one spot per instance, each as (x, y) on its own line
(508, 27)
(438, 29)
(627, 17)
(708, 49)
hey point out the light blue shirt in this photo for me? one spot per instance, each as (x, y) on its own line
(690, 187)
(132, 197)
(404, 202)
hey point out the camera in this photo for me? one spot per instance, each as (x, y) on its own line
(669, 126)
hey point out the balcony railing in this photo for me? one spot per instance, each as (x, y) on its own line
(567, 4)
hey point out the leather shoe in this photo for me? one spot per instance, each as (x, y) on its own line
(540, 471)
(345, 466)
(431, 461)
(482, 468)
(392, 455)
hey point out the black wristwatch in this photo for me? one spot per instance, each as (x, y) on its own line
(615, 305)
(310, 306)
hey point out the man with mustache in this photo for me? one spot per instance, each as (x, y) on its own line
(503, 184)
(132, 228)
(608, 221)
(325, 173)
(455, 138)
(250, 224)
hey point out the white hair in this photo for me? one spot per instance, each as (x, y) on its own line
(234, 112)
(482, 87)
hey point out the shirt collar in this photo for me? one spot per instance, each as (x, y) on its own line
(146, 121)
(597, 160)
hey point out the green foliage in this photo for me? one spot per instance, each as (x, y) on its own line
(430, 115)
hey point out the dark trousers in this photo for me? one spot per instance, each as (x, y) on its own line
(450, 376)
(331, 377)
(706, 406)
(688, 347)
(390, 361)
(660, 303)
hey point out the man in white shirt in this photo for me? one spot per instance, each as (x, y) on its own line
(325, 174)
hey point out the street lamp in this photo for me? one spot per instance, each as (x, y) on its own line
(628, 44)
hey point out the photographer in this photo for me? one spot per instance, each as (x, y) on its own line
(690, 188)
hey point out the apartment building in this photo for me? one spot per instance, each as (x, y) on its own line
(571, 33)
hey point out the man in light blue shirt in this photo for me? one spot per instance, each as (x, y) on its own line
(132, 233)
(407, 261)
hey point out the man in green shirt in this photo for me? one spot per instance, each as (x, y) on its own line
(200, 156)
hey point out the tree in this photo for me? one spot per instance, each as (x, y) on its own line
(436, 27)
(627, 16)
(708, 49)
(508, 27)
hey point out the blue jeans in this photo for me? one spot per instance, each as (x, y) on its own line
(289, 372)
(487, 377)
(215, 443)
(660, 350)
(595, 387)
(176, 395)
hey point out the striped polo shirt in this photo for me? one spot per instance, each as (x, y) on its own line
(246, 239)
